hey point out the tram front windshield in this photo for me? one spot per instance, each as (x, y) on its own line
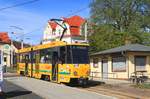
(77, 54)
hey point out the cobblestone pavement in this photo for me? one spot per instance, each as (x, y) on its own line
(12, 91)
(50, 90)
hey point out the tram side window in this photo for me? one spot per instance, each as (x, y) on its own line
(62, 54)
(18, 57)
(22, 58)
(46, 56)
(69, 55)
(33, 56)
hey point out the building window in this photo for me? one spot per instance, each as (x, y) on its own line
(59, 31)
(5, 59)
(95, 62)
(119, 64)
(140, 63)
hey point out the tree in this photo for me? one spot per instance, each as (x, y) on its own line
(118, 21)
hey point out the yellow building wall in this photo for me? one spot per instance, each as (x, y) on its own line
(130, 66)
(112, 74)
(96, 72)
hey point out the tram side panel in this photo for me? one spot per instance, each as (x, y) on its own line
(21, 68)
(72, 71)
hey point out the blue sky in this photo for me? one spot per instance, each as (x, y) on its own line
(33, 17)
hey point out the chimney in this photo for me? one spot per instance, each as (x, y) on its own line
(127, 41)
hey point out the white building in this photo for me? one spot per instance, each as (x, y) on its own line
(76, 30)
(9, 49)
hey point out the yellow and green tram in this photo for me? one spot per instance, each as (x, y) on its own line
(56, 61)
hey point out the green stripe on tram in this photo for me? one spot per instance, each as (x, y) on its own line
(49, 71)
(64, 73)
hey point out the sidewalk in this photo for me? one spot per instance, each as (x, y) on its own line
(10, 74)
(50, 90)
(112, 81)
(123, 87)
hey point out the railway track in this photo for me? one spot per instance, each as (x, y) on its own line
(120, 95)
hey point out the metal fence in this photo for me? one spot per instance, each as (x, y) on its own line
(9, 69)
(103, 75)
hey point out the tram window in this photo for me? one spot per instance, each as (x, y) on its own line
(46, 55)
(18, 57)
(29, 58)
(33, 56)
(22, 58)
(69, 55)
(62, 55)
(80, 54)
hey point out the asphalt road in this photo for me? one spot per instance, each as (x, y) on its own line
(13, 91)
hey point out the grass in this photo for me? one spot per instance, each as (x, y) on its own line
(142, 86)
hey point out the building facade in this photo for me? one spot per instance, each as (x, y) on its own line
(9, 49)
(76, 30)
(121, 62)
(6, 48)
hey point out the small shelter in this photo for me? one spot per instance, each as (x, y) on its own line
(121, 62)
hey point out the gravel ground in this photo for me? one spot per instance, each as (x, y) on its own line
(50, 90)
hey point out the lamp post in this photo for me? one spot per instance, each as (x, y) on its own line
(21, 34)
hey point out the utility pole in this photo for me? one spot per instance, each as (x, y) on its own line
(21, 43)
(85, 31)
(11, 52)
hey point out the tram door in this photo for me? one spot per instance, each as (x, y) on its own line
(55, 66)
(26, 64)
(37, 61)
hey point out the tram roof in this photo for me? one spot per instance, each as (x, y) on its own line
(52, 44)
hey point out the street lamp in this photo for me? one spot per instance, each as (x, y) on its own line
(22, 34)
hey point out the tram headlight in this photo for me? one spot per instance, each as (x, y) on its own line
(75, 73)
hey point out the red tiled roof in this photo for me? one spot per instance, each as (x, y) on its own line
(4, 38)
(52, 24)
(75, 22)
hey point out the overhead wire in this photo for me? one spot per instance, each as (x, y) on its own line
(73, 13)
(32, 1)
(77, 11)
(18, 4)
